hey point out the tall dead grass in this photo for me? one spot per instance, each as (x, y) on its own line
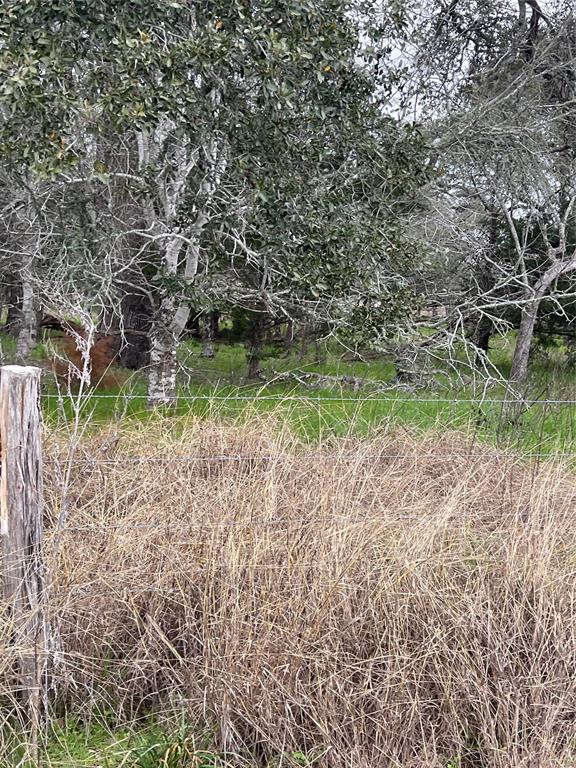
(398, 601)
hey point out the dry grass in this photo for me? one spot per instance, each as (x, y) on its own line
(393, 602)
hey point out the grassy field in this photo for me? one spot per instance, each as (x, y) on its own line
(405, 599)
(217, 388)
(351, 578)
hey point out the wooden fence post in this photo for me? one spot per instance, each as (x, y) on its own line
(21, 526)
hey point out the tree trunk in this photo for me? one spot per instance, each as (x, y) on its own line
(137, 312)
(404, 365)
(193, 330)
(165, 335)
(208, 334)
(130, 323)
(304, 342)
(166, 330)
(521, 356)
(320, 352)
(163, 362)
(571, 347)
(320, 348)
(29, 322)
(255, 345)
(14, 316)
(215, 323)
(289, 337)
(486, 281)
(482, 339)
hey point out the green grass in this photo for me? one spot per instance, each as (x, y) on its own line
(217, 388)
(317, 417)
(229, 364)
(70, 744)
(149, 744)
(8, 350)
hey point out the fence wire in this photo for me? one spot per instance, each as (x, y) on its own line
(254, 458)
(259, 550)
(318, 399)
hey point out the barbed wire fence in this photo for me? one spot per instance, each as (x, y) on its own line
(25, 589)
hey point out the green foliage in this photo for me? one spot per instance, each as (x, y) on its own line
(293, 95)
(72, 744)
(239, 324)
(161, 750)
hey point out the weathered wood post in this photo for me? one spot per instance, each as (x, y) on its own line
(21, 526)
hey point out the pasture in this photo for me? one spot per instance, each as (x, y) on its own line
(347, 396)
(278, 575)
(225, 591)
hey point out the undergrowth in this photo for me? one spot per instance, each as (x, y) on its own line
(404, 600)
